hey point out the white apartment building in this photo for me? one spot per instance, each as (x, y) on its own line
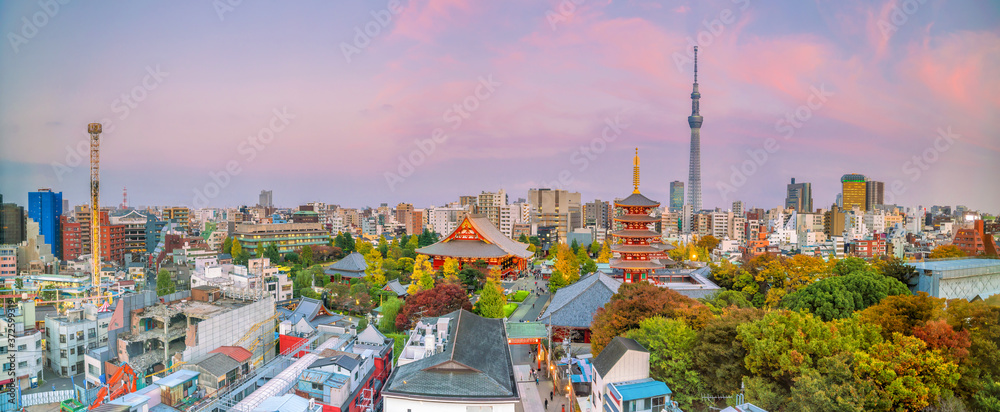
(719, 222)
(69, 337)
(24, 344)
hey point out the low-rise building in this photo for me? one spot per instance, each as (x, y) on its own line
(22, 351)
(69, 337)
(621, 380)
(472, 372)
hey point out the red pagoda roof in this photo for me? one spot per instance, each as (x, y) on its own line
(636, 199)
(477, 237)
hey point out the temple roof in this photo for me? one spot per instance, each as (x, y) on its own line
(636, 218)
(651, 248)
(636, 264)
(636, 199)
(635, 233)
(476, 237)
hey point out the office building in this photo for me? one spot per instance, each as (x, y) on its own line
(556, 208)
(676, 195)
(288, 237)
(180, 214)
(854, 192)
(799, 197)
(874, 194)
(597, 214)
(266, 199)
(738, 208)
(12, 223)
(45, 207)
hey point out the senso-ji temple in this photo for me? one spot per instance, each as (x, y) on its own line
(638, 249)
(476, 238)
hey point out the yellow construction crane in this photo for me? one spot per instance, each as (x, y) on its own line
(95, 205)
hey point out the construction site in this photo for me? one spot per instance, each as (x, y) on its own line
(165, 335)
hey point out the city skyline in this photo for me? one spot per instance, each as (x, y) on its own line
(858, 87)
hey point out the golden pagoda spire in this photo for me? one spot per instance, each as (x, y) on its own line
(635, 171)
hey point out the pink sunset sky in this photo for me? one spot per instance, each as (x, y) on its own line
(202, 82)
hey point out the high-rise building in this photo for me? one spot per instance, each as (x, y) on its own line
(266, 199)
(695, 120)
(180, 214)
(557, 208)
(854, 191)
(45, 207)
(676, 195)
(12, 223)
(597, 214)
(799, 197)
(738, 208)
(72, 247)
(874, 191)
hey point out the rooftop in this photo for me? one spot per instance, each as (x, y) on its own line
(956, 264)
(476, 364)
(641, 389)
(614, 352)
(575, 305)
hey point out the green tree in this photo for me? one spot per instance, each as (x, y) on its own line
(259, 250)
(227, 245)
(783, 344)
(902, 375)
(849, 265)
(575, 247)
(472, 278)
(895, 268)
(587, 265)
(374, 273)
(637, 301)
(383, 246)
(491, 300)
(390, 308)
(307, 255)
(164, 284)
(362, 246)
(671, 343)
(946, 251)
(840, 296)
(272, 253)
(718, 355)
(362, 323)
(348, 243)
(595, 248)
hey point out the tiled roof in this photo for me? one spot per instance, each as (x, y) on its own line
(636, 199)
(614, 352)
(475, 364)
(496, 245)
(397, 287)
(353, 262)
(218, 364)
(238, 353)
(575, 305)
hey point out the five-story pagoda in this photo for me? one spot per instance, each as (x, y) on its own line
(638, 250)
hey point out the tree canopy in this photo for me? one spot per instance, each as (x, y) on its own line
(438, 301)
(840, 296)
(164, 284)
(637, 301)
